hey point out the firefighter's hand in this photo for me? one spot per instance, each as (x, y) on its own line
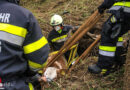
(101, 9)
(43, 79)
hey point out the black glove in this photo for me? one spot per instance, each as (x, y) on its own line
(101, 9)
(33, 78)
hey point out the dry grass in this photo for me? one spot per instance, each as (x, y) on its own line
(79, 10)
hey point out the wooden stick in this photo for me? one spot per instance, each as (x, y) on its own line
(85, 53)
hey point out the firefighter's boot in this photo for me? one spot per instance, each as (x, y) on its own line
(95, 69)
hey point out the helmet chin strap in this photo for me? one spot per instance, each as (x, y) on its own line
(14, 1)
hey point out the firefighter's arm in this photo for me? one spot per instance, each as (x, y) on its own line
(75, 28)
(36, 48)
(105, 5)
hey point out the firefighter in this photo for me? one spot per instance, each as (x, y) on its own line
(59, 34)
(111, 45)
(23, 48)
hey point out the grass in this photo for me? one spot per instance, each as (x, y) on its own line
(79, 10)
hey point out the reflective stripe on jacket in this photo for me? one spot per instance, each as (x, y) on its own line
(124, 4)
(110, 50)
(57, 40)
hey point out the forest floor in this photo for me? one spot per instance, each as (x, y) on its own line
(78, 12)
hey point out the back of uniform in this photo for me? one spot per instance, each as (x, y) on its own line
(22, 45)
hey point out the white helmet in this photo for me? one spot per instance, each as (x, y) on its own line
(56, 20)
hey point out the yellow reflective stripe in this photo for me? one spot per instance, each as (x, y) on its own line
(120, 39)
(127, 4)
(19, 31)
(58, 38)
(71, 53)
(35, 45)
(75, 51)
(31, 86)
(36, 65)
(113, 19)
(40, 71)
(104, 71)
(73, 60)
(55, 52)
(107, 48)
(60, 31)
(76, 45)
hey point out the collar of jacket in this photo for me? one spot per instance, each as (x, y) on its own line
(64, 29)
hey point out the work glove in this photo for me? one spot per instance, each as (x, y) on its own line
(101, 9)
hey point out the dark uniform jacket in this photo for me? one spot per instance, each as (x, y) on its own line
(111, 48)
(21, 41)
(57, 40)
(108, 3)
